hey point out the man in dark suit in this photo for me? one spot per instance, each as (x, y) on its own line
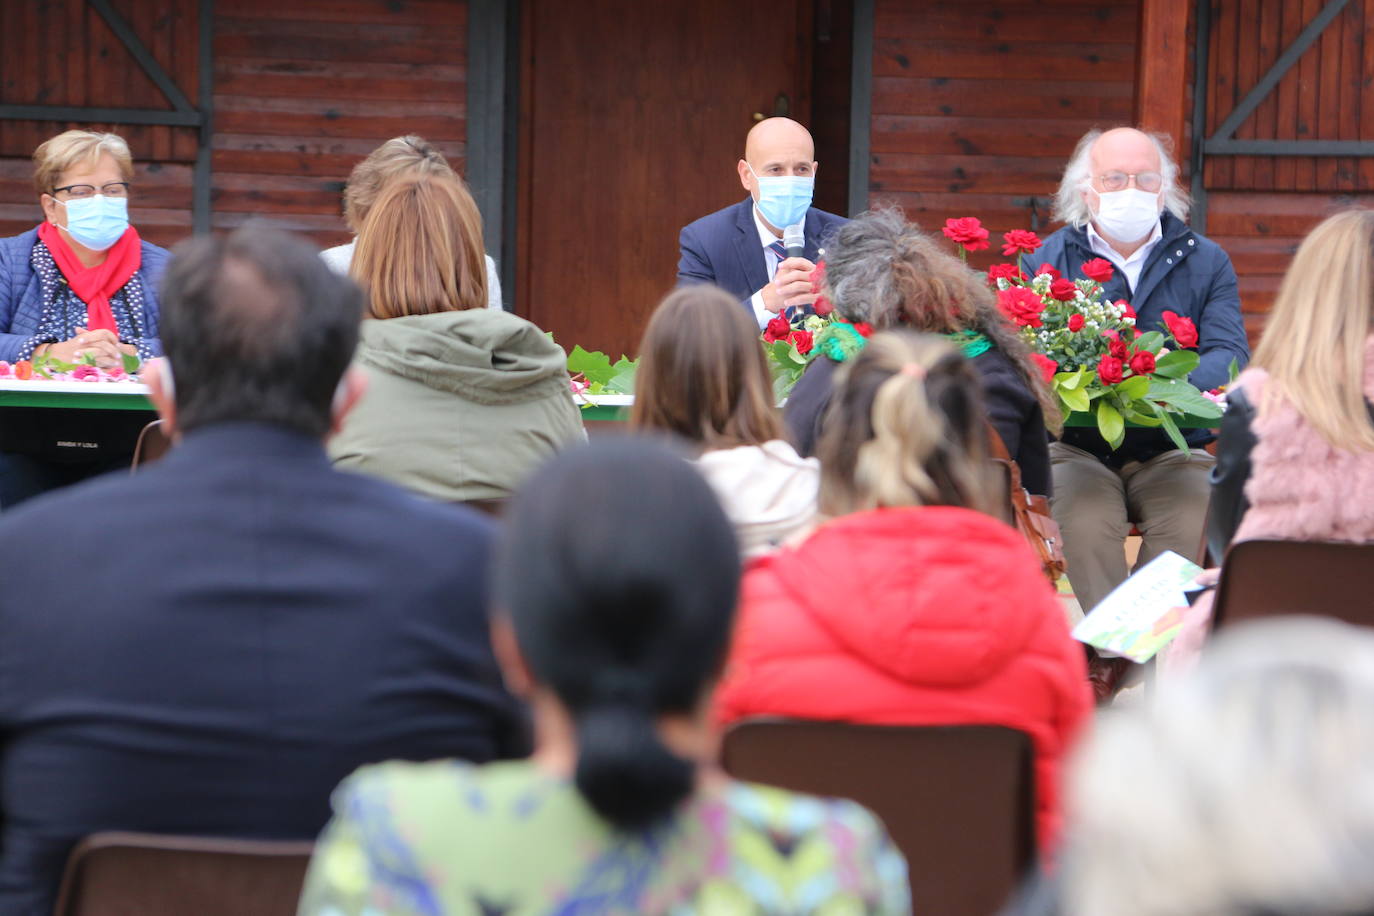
(210, 646)
(740, 248)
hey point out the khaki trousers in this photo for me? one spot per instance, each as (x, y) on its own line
(1095, 505)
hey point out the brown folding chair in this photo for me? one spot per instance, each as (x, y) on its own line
(959, 801)
(152, 444)
(1275, 578)
(137, 874)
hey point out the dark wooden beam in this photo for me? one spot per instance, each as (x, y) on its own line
(1161, 88)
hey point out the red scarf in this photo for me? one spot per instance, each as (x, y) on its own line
(95, 285)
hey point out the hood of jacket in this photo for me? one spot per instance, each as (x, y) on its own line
(768, 491)
(487, 356)
(927, 595)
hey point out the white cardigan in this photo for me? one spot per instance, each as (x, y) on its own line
(768, 491)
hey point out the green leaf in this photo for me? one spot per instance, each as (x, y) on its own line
(1150, 340)
(1110, 424)
(1135, 387)
(594, 366)
(1232, 371)
(1171, 428)
(130, 362)
(1075, 399)
(1177, 364)
(1068, 381)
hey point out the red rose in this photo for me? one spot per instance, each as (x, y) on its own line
(1099, 269)
(1048, 268)
(1021, 305)
(1076, 322)
(967, 231)
(85, 374)
(1021, 240)
(864, 328)
(801, 340)
(1003, 272)
(1047, 366)
(1183, 329)
(822, 306)
(777, 329)
(1116, 349)
(1128, 311)
(1109, 369)
(1063, 290)
(1142, 362)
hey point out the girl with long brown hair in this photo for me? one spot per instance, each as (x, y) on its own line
(703, 378)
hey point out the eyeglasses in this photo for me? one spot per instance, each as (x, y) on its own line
(109, 189)
(1117, 181)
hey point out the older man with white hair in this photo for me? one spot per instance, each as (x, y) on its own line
(1121, 202)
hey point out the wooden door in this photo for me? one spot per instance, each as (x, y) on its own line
(633, 116)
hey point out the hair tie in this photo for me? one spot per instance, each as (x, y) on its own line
(622, 687)
(915, 370)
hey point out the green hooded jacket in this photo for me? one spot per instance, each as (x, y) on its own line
(459, 405)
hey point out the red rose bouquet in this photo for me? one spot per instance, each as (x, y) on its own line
(1094, 358)
(792, 343)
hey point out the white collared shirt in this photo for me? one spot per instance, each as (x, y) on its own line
(1133, 265)
(770, 263)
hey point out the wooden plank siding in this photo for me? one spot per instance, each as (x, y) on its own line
(1259, 208)
(63, 53)
(306, 88)
(303, 89)
(976, 109)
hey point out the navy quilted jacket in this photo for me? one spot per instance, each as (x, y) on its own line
(1187, 274)
(21, 296)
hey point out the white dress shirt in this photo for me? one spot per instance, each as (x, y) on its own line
(1131, 266)
(770, 262)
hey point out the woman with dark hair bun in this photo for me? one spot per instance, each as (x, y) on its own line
(616, 588)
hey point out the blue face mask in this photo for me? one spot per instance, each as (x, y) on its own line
(98, 221)
(784, 199)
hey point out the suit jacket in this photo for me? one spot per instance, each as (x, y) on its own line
(723, 248)
(210, 646)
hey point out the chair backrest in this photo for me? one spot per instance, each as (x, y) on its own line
(135, 874)
(1277, 578)
(152, 444)
(959, 801)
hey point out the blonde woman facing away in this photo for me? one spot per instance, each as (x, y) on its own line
(1296, 454)
(464, 401)
(703, 378)
(910, 604)
(399, 156)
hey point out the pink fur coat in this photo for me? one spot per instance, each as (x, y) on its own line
(1300, 487)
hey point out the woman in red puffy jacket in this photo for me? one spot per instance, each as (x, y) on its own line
(912, 604)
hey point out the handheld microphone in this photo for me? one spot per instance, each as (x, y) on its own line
(794, 240)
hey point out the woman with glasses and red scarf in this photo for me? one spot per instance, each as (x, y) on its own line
(80, 287)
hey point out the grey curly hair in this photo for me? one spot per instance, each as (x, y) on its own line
(1071, 208)
(884, 271)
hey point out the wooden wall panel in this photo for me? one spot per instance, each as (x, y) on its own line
(304, 89)
(61, 52)
(1259, 208)
(977, 108)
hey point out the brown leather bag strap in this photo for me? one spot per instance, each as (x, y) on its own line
(1019, 498)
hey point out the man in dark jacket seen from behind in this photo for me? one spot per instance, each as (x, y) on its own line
(210, 646)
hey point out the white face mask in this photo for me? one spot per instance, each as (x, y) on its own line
(1128, 215)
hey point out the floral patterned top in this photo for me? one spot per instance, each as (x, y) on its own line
(64, 312)
(507, 839)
